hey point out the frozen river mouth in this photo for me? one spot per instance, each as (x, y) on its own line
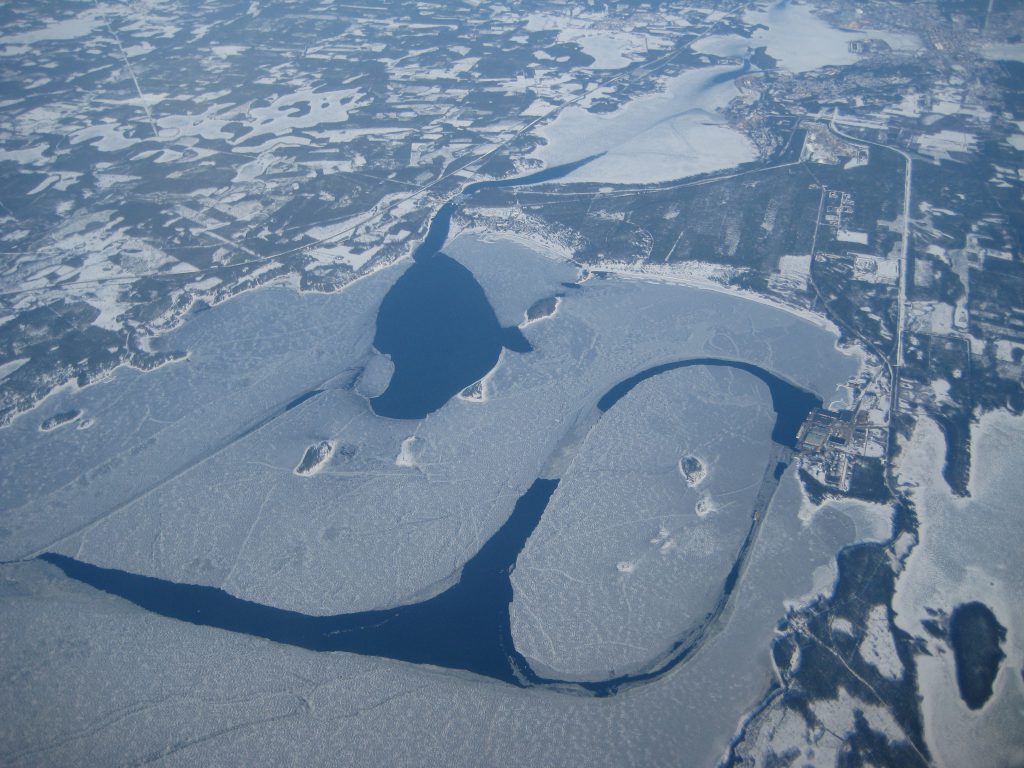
(466, 627)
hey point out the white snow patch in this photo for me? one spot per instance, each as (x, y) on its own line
(939, 145)
(406, 457)
(1003, 51)
(839, 624)
(799, 266)
(850, 236)
(878, 648)
(610, 43)
(67, 29)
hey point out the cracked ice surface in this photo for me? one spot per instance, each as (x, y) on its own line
(623, 563)
(92, 680)
(498, 265)
(186, 473)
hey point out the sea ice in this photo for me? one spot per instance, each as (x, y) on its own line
(594, 595)
(93, 680)
(187, 472)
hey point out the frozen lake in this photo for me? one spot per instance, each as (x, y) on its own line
(668, 135)
(792, 34)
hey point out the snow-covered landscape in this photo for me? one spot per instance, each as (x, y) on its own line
(571, 384)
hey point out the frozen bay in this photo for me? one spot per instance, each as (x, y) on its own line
(198, 498)
(218, 430)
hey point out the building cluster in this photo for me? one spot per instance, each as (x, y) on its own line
(833, 444)
(823, 442)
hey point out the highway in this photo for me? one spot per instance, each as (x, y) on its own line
(895, 365)
(905, 244)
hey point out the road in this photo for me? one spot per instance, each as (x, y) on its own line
(905, 243)
(895, 365)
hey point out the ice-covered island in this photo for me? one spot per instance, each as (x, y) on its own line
(693, 470)
(314, 458)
